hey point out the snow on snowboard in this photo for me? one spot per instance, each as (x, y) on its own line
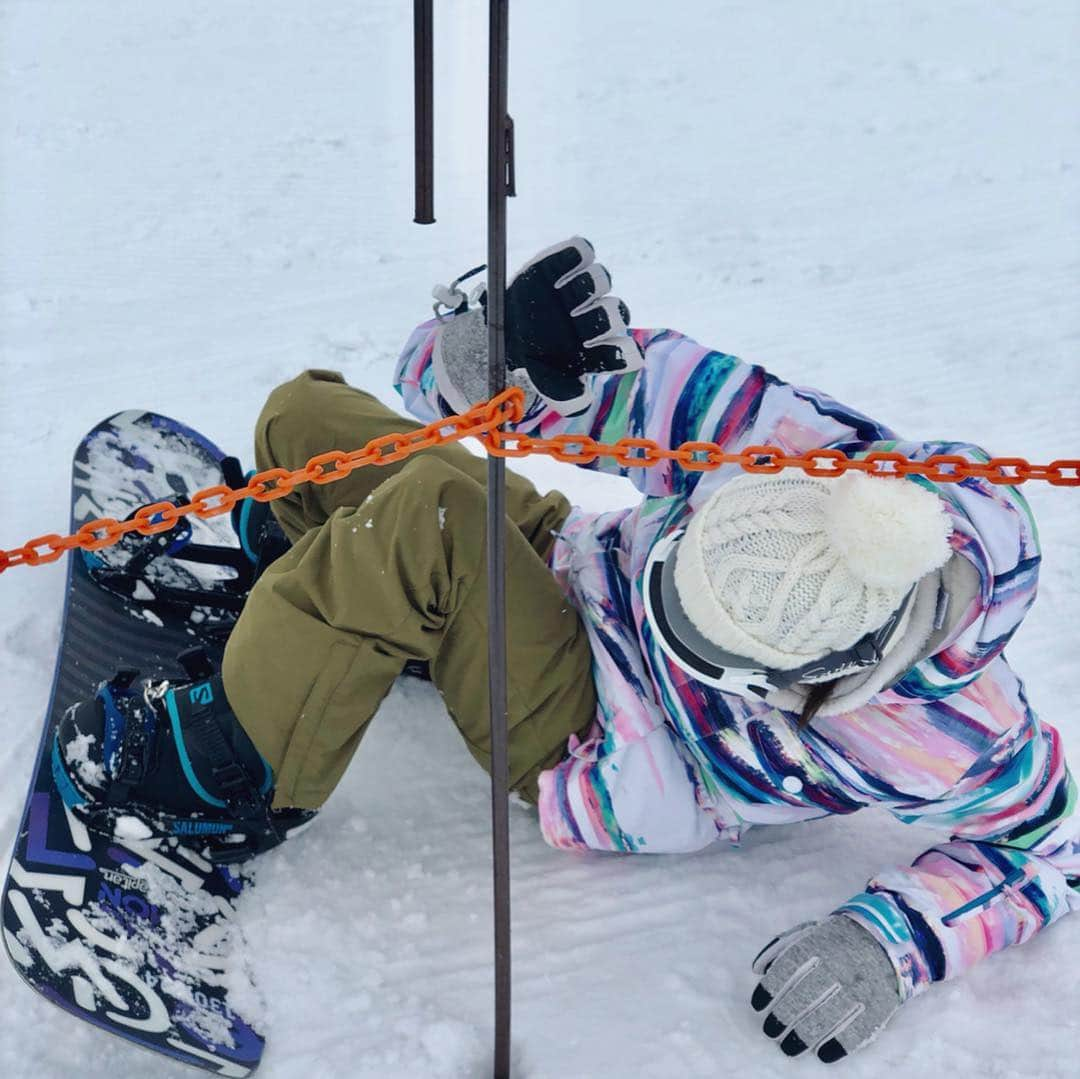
(132, 932)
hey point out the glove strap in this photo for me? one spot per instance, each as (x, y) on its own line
(452, 298)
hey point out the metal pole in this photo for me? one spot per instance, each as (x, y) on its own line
(498, 157)
(423, 104)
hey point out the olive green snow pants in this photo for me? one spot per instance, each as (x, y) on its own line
(389, 565)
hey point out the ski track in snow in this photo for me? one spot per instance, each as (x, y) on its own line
(199, 199)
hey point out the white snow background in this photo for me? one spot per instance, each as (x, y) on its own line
(199, 198)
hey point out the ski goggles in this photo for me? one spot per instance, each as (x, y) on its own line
(691, 651)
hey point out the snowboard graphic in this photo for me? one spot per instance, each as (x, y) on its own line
(132, 932)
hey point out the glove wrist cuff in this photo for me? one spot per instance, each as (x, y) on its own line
(460, 363)
(873, 913)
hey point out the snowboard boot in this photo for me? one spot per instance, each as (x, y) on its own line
(261, 538)
(175, 756)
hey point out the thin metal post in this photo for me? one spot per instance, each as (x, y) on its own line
(423, 104)
(498, 186)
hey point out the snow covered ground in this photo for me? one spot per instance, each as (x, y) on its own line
(199, 198)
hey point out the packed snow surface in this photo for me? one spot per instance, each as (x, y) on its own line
(880, 199)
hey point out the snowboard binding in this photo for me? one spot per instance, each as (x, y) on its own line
(174, 756)
(161, 572)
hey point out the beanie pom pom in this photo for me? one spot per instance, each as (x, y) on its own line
(890, 531)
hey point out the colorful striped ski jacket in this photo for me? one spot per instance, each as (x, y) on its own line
(672, 764)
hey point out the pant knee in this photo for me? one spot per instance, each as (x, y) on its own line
(427, 479)
(291, 425)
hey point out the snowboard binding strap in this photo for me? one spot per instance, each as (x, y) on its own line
(131, 578)
(234, 785)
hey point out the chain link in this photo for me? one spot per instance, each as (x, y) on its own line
(484, 421)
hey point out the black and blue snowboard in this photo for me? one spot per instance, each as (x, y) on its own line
(133, 933)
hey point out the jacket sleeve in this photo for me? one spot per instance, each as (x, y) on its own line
(683, 392)
(414, 376)
(1012, 862)
(1010, 868)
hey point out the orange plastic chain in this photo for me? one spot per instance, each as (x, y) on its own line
(484, 421)
(707, 456)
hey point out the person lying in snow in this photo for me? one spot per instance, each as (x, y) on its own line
(737, 649)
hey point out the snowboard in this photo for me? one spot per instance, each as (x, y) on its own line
(133, 933)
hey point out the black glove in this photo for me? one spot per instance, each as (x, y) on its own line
(562, 325)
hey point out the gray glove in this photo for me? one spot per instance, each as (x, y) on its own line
(829, 985)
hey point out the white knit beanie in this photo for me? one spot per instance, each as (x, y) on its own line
(786, 568)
